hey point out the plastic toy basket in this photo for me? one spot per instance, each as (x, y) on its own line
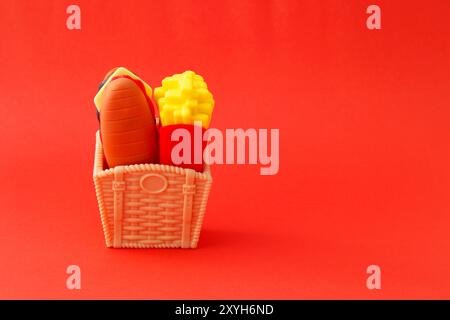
(150, 205)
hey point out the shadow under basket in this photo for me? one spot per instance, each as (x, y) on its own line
(150, 205)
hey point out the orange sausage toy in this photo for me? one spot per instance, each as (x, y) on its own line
(127, 121)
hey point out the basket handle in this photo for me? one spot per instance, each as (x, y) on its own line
(118, 187)
(188, 191)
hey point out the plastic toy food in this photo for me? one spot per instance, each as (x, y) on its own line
(114, 73)
(142, 203)
(127, 122)
(183, 101)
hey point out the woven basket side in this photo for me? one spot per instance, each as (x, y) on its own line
(199, 208)
(102, 179)
(200, 202)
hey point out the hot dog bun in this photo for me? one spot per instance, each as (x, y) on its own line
(112, 74)
(127, 123)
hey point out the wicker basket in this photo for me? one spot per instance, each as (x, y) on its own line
(150, 205)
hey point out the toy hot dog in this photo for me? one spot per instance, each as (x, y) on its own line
(127, 122)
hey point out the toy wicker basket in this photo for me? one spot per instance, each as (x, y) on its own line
(150, 205)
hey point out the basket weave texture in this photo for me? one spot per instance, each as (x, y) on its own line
(150, 205)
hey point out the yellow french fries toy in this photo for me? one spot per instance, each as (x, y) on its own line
(184, 101)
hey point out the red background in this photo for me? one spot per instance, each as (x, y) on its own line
(364, 147)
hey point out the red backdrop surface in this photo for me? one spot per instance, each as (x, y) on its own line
(364, 147)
